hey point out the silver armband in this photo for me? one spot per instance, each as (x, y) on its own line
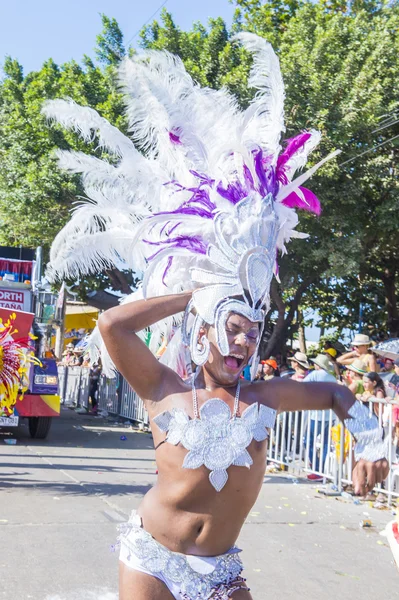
(369, 436)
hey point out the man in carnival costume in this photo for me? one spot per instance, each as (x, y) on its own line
(201, 210)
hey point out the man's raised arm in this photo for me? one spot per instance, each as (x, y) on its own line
(118, 327)
(370, 448)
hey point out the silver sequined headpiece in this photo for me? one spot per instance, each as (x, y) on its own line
(242, 260)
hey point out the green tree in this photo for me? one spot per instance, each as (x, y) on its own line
(110, 47)
(35, 196)
(340, 65)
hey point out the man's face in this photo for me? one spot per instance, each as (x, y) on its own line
(242, 335)
(388, 364)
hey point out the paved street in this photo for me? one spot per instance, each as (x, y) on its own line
(61, 499)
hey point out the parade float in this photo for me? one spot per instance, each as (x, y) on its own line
(28, 379)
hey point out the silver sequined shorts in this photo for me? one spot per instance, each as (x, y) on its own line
(187, 577)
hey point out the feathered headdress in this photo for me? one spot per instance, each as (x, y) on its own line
(205, 200)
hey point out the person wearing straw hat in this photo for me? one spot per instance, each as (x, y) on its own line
(300, 365)
(68, 355)
(323, 372)
(361, 350)
(354, 376)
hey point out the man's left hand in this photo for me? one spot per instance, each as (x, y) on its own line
(367, 474)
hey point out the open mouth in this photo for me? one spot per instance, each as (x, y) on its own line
(234, 361)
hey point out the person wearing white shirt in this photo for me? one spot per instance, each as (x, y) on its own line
(323, 371)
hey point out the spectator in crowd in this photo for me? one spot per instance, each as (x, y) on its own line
(328, 348)
(246, 374)
(285, 370)
(354, 376)
(395, 378)
(94, 380)
(68, 355)
(373, 387)
(300, 365)
(77, 358)
(270, 368)
(323, 371)
(361, 351)
(332, 356)
(49, 353)
(388, 366)
(259, 373)
(394, 383)
(373, 390)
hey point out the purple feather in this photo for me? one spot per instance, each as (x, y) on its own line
(266, 176)
(293, 145)
(175, 139)
(205, 180)
(200, 197)
(248, 178)
(188, 210)
(168, 265)
(194, 244)
(312, 203)
(234, 192)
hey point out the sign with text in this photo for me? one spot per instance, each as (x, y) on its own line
(22, 322)
(15, 299)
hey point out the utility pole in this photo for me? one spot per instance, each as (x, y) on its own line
(60, 322)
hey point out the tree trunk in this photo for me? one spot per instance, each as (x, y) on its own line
(301, 331)
(278, 338)
(278, 334)
(389, 280)
(119, 281)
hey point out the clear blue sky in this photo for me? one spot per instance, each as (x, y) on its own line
(33, 31)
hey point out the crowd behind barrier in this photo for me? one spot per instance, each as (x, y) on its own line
(287, 447)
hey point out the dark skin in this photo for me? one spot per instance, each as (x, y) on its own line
(183, 511)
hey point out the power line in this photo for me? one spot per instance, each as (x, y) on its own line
(389, 124)
(148, 20)
(369, 150)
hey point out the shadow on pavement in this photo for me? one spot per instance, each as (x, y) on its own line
(98, 432)
(73, 489)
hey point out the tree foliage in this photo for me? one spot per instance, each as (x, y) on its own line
(35, 196)
(341, 67)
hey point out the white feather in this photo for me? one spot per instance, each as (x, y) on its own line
(291, 187)
(90, 125)
(264, 119)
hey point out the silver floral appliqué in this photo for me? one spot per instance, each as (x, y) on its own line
(217, 439)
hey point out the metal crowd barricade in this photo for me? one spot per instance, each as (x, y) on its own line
(62, 379)
(330, 452)
(300, 441)
(107, 394)
(74, 386)
(132, 406)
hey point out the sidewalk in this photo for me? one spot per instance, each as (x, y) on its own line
(61, 500)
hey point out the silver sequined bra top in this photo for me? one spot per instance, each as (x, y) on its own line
(215, 437)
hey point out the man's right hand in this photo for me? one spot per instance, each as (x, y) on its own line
(118, 326)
